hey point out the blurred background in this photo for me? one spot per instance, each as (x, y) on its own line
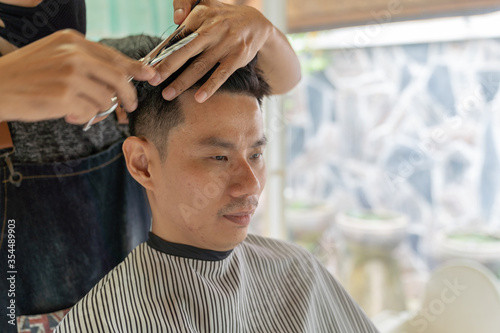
(384, 161)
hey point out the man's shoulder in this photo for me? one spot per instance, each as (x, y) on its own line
(122, 272)
(275, 248)
(96, 300)
(131, 260)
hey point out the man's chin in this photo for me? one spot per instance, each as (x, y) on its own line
(233, 241)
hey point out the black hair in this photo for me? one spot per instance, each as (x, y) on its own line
(155, 116)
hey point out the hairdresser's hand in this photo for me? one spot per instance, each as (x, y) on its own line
(65, 75)
(231, 35)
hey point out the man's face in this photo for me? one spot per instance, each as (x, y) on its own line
(208, 186)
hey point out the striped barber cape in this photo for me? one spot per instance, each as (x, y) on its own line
(263, 285)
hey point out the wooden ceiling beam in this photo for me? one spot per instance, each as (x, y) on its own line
(313, 15)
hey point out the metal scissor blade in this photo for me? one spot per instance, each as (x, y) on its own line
(171, 49)
(159, 48)
(164, 46)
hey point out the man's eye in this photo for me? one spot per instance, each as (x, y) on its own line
(220, 158)
(255, 156)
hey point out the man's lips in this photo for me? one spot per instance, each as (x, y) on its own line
(240, 218)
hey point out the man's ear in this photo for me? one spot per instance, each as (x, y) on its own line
(140, 156)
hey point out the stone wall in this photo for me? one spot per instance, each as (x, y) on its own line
(413, 129)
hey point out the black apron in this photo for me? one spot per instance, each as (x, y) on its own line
(69, 224)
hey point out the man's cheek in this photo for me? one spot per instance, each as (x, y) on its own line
(217, 184)
(262, 179)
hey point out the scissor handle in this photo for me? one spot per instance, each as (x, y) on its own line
(113, 107)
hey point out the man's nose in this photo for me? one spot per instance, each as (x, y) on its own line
(245, 180)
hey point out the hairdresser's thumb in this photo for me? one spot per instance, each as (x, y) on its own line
(141, 72)
(182, 8)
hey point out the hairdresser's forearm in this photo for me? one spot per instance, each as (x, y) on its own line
(279, 63)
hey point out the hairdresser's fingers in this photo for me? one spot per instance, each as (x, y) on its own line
(96, 92)
(175, 61)
(56, 70)
(182, 8)
(75, 46)
(116, 79)
(230, 53)
(111, 56)
(201, 66)
(131, 67)
(90, 98)
(82, 111)
(188, 77)
(212, 32)
(226, 68)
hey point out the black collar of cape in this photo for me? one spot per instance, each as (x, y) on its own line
(185, 251)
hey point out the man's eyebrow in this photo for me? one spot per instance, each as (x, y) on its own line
(260, 143)
(214, 141)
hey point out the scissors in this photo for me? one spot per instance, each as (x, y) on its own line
(160, 52)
